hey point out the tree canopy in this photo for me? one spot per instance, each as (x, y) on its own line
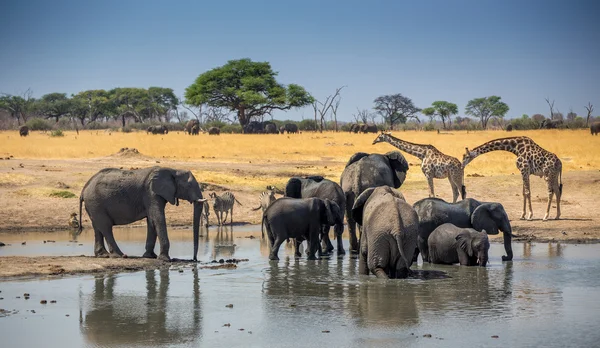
(395, 108)
(486, 108)
(443, 110)
(247, 88)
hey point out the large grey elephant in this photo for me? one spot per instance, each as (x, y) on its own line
(271, 128)
(291, 128)
(488, 216)
(317, 186)
(389, 232)
(190, 124)
(363, 171)
(368, 128)
(449, 244)
(299, 218)
(119, 197)
(595, 128)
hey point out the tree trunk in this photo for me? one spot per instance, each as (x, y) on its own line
(82, 121)
(241, 113)
(123, 120)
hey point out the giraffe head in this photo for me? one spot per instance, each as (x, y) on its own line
(381, 137)
(468, 157)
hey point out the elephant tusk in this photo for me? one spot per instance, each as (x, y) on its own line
(202, 200)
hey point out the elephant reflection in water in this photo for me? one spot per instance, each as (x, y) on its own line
(387, 305)
(223, 246)
(116, 317)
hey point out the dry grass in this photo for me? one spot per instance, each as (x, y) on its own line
(329, 151)
(15, 179)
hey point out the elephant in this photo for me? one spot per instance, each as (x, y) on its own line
(368, 128)
(509, 128)
(23, 131)
(299, 218)
(271, 128)
(595, 128)
(468, 213)
(354, 128)
(551, 124)
(449, 244)
(190, 124)
(291, 128)
(365, 170)
(214, 131)
(119, 197)
(282, 130)
(195, 130)
(158, 129)
(317, 186)
(389, 232)
(254, 127)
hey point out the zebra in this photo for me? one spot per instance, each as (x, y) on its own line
(266, 199)
(224, 203)
(205, 213)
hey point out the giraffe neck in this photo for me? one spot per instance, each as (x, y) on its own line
(416, 150)
(509, 145)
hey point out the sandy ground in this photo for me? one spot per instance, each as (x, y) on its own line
(27, 207)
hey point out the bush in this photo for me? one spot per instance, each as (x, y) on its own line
(307, 125)
(429, 127)
(232, 128)
(38, 124)
(127, 129)
(57, 133)
(94, 125)
(62, 194)
(179, 126)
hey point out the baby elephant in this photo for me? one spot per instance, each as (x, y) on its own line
(299, 218)
(389, 232)
(449, 244)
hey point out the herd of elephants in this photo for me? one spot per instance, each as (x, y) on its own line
(392, 232)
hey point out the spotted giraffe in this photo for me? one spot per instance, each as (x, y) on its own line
(434, 164)
(531, 159)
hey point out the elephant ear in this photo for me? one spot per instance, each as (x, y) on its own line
(464, 242)
(293, 188)
(399, 165)
(359, 204)
(315, 178)
(329, 212)
(163, 184)
(356, 157)
(481, 219)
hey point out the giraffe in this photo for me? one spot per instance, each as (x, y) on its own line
(434, 164)
(531, 159)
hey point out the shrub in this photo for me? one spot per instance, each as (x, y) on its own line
(127, 129)
(429, 127)
(62, 194)
(232, 128)
(38, 124)
(94, 125)
(307, 125)
(57, 133)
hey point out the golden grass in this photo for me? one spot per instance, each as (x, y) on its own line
(14, 179)
(45, 192)
(576, 148)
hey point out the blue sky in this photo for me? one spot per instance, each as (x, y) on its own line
(523, 51)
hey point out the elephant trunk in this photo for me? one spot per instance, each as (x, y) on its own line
(507, 245)
(196, 226)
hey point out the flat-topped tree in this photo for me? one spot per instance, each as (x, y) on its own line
(247, 88)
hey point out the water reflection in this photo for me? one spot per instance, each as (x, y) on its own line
(116, 316)
(223, 245)
(555, 250)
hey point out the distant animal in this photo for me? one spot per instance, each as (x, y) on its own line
(190, 124)
(354, 128)
(224, 204)
(214, 131)
(254, 127)
(449, 244)
(531, 159)
(266, 198)
(162, 129)
(368, 128)
(551, 124)
(291, 128)
(434, 164)
(271, 129)
(282, 130)
(23, 131)
(509, 128)
(205, 213)
(195, 129)
(73, 223)
(595, 128)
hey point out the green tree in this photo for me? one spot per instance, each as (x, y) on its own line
(247, 88)
(395, 108)
(130, 102)
(443, 110)
(486, 108)
(54, 105)
(19, 106)
(91, 105)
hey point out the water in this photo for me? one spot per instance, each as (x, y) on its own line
(548, 296)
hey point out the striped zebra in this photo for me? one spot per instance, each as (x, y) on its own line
(223, 203)
(266, 199)
(205, 213)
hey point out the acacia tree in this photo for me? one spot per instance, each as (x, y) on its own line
(247, 88)
(395, 108)
(590, 109)
(19, 106)
(54, 105)
(486, 108)
(443, 110)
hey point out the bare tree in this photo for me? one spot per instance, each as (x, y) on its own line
(334, 109)
(197, 114)
(362, 115)
(571, 115)
(322, 108)
(212, 114)
(551, 105)
(590, 109)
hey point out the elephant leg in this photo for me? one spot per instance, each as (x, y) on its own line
(354, 246)
(338, 230)
(401, 270)
(463, 258)
(423, 248)
(275, 248)
(380, 273)
(297, 243)
(326, 242)
(99, 248)
(157, 218)
(363, 267)
(313, 242)
(415, 255)
(113, 248)
(150, 240)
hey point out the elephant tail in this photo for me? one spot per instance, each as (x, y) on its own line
(80, 228)
(262, 226)
(403, 252)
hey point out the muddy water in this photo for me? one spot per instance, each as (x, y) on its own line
(548, 296)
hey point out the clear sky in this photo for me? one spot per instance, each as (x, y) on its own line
(457, 50)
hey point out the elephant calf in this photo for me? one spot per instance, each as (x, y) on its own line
(389, 232)
(449, 244)
(301, 219)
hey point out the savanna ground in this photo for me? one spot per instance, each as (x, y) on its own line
(41, 176)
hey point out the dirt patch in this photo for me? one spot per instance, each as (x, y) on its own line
(127, 152)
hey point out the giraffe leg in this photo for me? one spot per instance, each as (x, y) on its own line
(526, 195)
(430, 182)
(558, 193)
(550, 196)
(454, 190)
